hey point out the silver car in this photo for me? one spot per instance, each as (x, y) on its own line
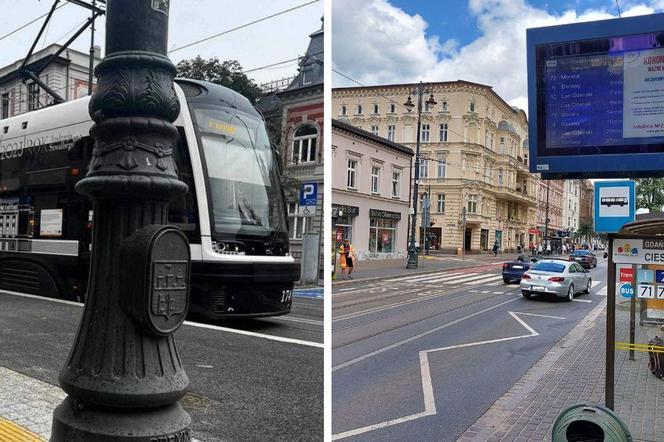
(555, 276)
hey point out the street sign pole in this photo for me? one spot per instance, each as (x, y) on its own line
(463, 233)
(123, 376)
(610, 327)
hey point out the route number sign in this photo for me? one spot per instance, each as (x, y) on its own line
(646, 291)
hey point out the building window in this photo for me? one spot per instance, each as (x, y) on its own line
(33, 96)
(351, 179)
(426, 130)
(382, 235)
(472, 203)
(393, 108)
(443, 132)
(304, 144)
(501, 148)
(375, 179)
(5, 105)
(441, 203)
(374, 130)
(375, 108)
(500, 177)
(396, 181)
(298, 224)
(444, 106)
(345, 224)
(343, 109)
(427, 107)
(472, 106)
(359, 109)
(442, 168)
(424, 168)
(390, 132)
(307, 76)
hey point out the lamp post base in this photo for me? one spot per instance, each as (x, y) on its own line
(168, 423)
(412, 259)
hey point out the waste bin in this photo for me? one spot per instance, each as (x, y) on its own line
(589, 423)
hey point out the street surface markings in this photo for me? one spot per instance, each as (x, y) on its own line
(484, 279)
(498, 293)
(425, 276)
(427, 387)
(420, 335)
(596, 283)
(601, 292)
(470, 277)
(192, 324)
(582, 300)
(11, 432)
(296, 319)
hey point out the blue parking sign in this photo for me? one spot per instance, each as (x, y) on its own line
(308, 194)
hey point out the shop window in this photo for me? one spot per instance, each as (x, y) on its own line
(382, 235)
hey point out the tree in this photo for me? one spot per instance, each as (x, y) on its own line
(226, 73)
(650, 194)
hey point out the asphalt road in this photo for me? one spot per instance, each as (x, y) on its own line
(422, 357)
(251, 382)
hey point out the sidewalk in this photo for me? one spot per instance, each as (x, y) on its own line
(377, 269)
(573, 372)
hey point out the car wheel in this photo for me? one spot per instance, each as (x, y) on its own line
(526, 294)
(506, 281)
(587, 290)
(570, 293)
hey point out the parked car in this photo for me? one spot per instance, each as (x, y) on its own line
(584, 257)
(512, 270)
(561, 278)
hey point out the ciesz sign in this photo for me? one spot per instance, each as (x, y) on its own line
(638, 251)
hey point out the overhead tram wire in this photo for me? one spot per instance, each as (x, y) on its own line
(29, 23)
(278, 63)
(464, 138)
(228, 31)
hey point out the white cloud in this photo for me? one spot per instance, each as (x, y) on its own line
(377, 43)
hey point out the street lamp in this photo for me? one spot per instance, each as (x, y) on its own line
(335, 215)
(124, 376)
(412, 250)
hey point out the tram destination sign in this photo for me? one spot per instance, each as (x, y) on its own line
(595, 93)
(638, 251)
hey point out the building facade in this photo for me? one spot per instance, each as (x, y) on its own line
(370, 192)
(473, 153)
(295, 121)
(67, 75)
(572, 196)
(555, 212)
(586, 208)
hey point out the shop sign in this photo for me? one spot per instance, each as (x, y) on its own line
(346, 210)
(340, 234)
(386, 238)
(533, 231)
(386, 214)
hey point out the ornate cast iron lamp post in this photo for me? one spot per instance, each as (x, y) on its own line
(123, 375)
(412, 250)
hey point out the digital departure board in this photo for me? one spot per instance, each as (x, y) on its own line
(596, 98)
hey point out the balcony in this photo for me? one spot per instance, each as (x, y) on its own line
(517, 195)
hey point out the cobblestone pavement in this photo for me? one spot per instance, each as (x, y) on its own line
(573, 372)
(28, 402)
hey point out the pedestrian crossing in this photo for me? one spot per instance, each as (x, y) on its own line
(453, 278)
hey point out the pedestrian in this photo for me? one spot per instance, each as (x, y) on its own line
(564, 249)
(539, 249)
(346, 258)
(495, 248)
(548, 249)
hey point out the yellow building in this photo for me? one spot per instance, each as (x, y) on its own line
(473, 154)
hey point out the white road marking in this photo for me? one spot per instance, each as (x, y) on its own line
(256, 335)
(418, 336)
(425, 276)
(498, 293)
(602, 292)
(465, 278)
(444, 278)
(483, 280)
(192, 324)
(596, 283)
(427, 386)
(582, 300)
(296, 319)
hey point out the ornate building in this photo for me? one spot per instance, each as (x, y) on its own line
(473, 154)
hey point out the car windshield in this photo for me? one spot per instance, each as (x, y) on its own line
(581, 253)
(549, 267)
(244, 188)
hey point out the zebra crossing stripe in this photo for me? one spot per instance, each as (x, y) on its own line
(483, 280)
(424, 277)
(473, 277)
(453, 279)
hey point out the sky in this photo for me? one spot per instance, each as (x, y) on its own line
(280, 38)
(484, 41)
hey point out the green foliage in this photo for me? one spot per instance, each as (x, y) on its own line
(226, 73)
(585, 228)
(650, 194)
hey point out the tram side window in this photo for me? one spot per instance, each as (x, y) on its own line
(183, 210)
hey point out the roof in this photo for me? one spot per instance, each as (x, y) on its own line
(311, 62)
(647, 224)
(431, 83)
(361, 133)
(504, 125)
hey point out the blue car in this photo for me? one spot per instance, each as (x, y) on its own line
(513, 270)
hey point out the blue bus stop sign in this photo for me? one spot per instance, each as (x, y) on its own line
(615, 205)
(626, 290)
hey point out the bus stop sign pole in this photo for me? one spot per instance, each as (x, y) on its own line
(123, 376)
(610, 328)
